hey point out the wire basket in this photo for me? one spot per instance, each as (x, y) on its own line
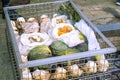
(39, 1)
(114, 37)
(112, 72)
(50, 8)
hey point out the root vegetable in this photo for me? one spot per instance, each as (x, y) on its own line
(74, 70)
(90, 67)
(35, 39)
(30, 27)
(20, 19)
(24, 58)
(60, 74)
(19, 22)
(14, 28)
(41, 75)
(45, 24)
(13, 24)
(26, 75)
(31, 20)
(102, 65)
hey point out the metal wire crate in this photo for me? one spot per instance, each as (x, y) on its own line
(50, 8)
(39, 1)
(111, 74)
(114, 38)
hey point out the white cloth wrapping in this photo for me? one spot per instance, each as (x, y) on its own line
(30, 27)
(71, 38)
(54, 20)
(93, 44)
(25, 39)
(90, 35)
(24, 43)
(24, 50)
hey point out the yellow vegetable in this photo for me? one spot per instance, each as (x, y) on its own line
(99, 57)
(81, 36)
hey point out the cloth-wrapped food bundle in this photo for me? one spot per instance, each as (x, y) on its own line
(45, 24)
(67, 33)
(30, 27)
(26, 42)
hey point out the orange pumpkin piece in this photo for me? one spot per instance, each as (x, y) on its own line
(69, 29)
(60, 33)
(64, 30)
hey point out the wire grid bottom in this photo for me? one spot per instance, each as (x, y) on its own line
(107, 75)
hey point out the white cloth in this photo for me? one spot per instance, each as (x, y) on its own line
(30, 27)
(57, 18)
(25, 39)
(93, 44)
(89, 33)
(71, 38)
(25, 45)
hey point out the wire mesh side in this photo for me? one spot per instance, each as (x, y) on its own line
(40, 1)
(51, 64)
(114, 37)
(51, 68)
(13, 58)
(49, 8)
